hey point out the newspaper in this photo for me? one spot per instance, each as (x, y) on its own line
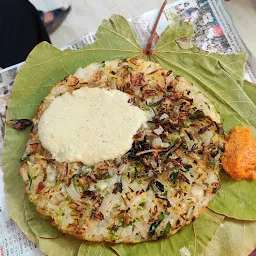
(214, 32)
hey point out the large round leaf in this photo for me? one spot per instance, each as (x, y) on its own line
(219, 77)
(233, 237)
(40, 226)
(235, 199)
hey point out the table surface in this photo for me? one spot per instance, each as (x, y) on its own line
(87, 15)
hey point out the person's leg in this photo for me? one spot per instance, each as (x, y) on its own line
(21, 29)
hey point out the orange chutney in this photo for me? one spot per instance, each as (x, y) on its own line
(239, 157)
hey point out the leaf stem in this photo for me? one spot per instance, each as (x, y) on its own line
(148, 50)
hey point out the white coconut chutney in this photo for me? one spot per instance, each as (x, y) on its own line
(89, 125)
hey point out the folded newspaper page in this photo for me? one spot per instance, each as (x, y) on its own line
(214, 32)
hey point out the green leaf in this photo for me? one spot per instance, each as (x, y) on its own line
(204, 228)
(34, 80)
(61, 246)
(184, 44)
(37, 223)
(174, 245)
(115, 38)
(220, 77)
(193, 238)
(176, 30)
(170, 43)
(95, 249)
(14, 147)
(233, 237)
(249, 89)
(233, 64)
(44, 67)
(215, 75)
(235, 199)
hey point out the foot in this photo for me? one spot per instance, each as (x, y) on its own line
(48, 17)
(53, 19)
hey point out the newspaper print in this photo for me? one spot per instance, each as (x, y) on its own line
(84, 40)
(234, 39)
(214, 32)
(12, 241)
(6, 82)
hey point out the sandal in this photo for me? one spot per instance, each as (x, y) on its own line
(53, 19)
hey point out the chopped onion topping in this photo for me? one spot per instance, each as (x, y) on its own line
(72, 192)
(159, 130)
(164, 116)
